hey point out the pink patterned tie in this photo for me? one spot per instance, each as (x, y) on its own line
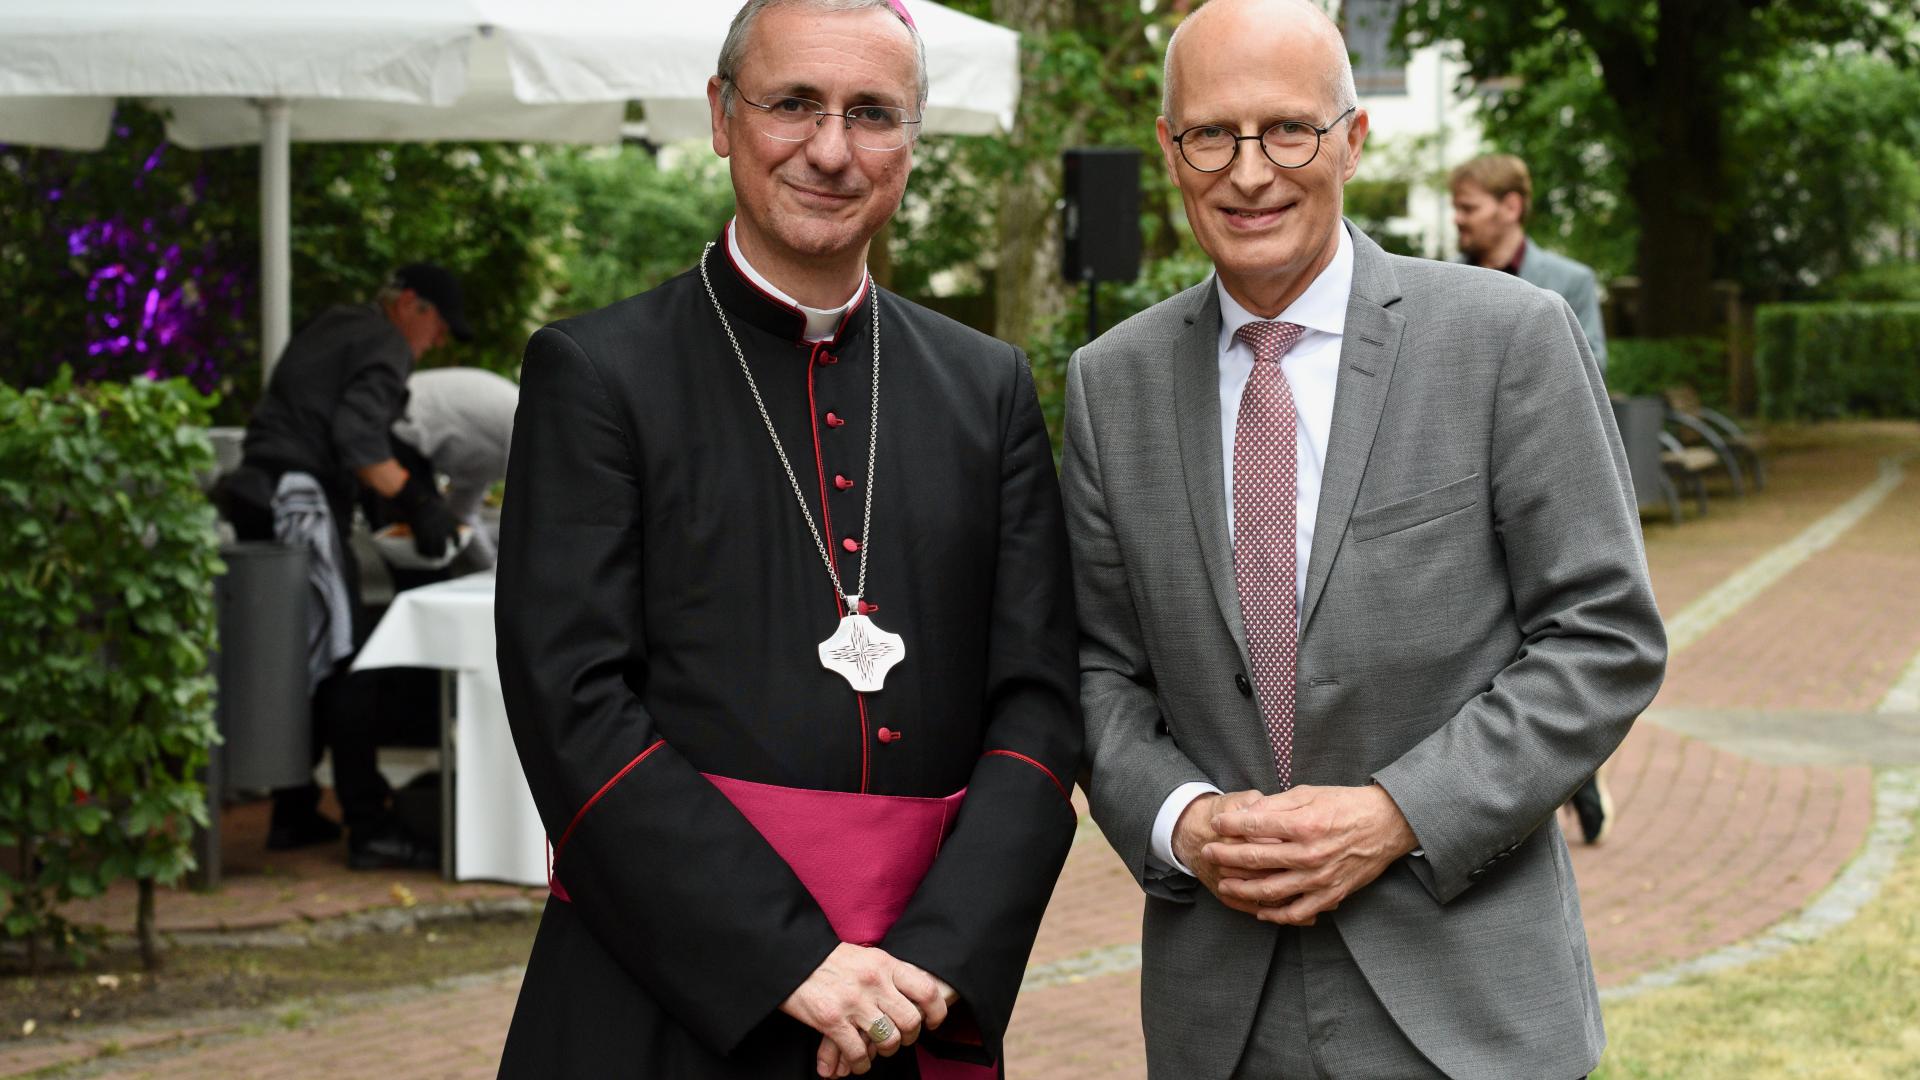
(1265, 489)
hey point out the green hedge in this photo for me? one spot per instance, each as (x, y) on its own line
(1637, 366)
(1838, 359)
(107, 560)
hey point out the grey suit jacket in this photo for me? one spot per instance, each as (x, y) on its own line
(1478, 634)
(1574, 281)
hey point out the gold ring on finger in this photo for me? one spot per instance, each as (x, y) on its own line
(881, 1029)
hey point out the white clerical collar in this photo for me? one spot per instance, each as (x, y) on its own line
(822, 323)
(1322, 307)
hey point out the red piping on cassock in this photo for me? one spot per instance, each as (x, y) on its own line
(1048, 773)
(554, 851)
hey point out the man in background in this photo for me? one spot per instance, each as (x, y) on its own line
(319, 434)
(460, 421)
(1492, 196)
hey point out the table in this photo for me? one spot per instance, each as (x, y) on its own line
(489, 827)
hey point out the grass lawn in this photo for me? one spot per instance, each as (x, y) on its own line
(1845, 1006)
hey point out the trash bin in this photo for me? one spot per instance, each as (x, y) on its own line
(263, 712)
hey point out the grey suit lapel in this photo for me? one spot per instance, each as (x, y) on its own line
(1368, 351)
(1196, 406)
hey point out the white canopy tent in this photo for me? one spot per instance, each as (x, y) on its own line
(229, 72)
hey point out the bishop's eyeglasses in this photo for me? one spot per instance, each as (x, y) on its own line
(796, 119)
(1290, 144)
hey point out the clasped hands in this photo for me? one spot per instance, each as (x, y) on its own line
(856, 985)
(1291, 857)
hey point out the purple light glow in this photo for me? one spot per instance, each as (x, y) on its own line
(163, 295)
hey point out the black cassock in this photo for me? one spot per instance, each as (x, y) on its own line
(660, 607)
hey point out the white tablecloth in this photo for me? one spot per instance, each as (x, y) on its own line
(497, 833)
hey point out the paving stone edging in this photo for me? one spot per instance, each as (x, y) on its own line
(1896, 798)
(298, 934)
(382, 920)
(146, 1042)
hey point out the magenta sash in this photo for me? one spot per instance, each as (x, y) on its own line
(861, 857)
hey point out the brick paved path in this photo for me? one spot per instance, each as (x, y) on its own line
(1710, 847)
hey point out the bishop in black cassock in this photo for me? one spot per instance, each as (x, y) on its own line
(660, 607)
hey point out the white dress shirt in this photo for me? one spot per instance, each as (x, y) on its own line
(1312, 370)
(822, 323)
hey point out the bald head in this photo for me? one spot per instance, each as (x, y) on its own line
(1222, 21)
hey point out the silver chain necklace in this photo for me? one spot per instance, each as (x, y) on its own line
(858, 651)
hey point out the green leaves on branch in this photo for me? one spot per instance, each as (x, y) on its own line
(107, 560)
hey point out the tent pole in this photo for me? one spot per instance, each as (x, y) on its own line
(276, 252)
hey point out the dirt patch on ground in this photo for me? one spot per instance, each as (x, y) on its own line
(113, 989)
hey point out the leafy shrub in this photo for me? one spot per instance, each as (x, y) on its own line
(1838, 359)
(107, 559)
(1637, 366)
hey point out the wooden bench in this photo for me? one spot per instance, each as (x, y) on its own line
(1730, 446)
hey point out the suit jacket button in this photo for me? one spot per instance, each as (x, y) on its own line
(1241, 684)
(1476, 875)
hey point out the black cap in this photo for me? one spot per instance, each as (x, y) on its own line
(436, 285)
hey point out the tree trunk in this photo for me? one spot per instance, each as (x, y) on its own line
(1674, 98)
(33, 937)
(880, 255)
(144, 928)
(1674, 180)
(1675, 250)
(1027, 289)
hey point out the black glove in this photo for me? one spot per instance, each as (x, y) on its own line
(434, 526)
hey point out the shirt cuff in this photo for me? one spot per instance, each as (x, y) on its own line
(1160, 849)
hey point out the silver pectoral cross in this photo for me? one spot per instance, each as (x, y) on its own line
(861, 652)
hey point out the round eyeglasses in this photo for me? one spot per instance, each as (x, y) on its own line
(796, 119)
(1290, 144)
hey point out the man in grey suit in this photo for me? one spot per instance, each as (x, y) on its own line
(1492, 195)
(1354, 542)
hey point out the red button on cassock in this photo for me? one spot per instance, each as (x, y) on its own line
(833, 420)
(850, 544)
(888, 735)
(868, 609)
(826, 358)
(841, 482)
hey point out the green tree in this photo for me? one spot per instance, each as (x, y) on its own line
(1829, 176)
(982, 209)
(1671, 72)
(630, 221)
(142, 258)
